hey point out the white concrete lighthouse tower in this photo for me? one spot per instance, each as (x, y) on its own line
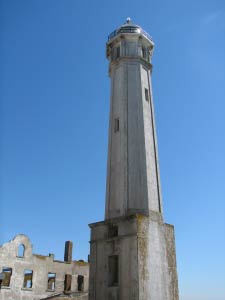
(132, 253)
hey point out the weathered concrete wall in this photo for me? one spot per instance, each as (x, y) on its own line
(41, 266)
(156, 268)
(171, 261)
(125, 247)
(146, 251)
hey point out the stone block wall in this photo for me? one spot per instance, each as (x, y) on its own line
(32, 276)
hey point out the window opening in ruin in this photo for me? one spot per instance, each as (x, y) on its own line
(113, 270)
(80, 283)
(116, 125)
(67, 282)
(51, 281)
(28, 279)
(7, 273)
(21, 250)
(113, 230)
(146, 95)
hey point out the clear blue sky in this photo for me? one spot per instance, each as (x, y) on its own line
(54, 91)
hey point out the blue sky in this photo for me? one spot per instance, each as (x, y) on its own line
(54, 108)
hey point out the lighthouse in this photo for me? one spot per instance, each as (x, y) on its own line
(132, 251)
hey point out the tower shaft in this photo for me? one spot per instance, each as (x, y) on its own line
(132, 252)
(133, 184)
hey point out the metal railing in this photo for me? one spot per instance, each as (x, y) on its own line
(129, 29)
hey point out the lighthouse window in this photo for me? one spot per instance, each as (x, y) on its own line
(113, 270)
(116, 125)
(113, 231)
(144, 52)
(146, 95)
(148, 56)
(117, 52)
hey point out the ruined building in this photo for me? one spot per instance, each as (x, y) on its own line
(132, 253)
(28, 276)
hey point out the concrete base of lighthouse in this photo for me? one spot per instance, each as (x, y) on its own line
(133, 258)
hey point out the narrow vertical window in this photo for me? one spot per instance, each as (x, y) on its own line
(116, 125)
(113, 270)
(7, 273)
(28, 279)
(146, 95)
(51, 281)
(148, 55)
(80, 283)
(21, 250)
(113, 231)
(144, 52)
(117, 51)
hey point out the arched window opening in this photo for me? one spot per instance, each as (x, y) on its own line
(21, 250)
